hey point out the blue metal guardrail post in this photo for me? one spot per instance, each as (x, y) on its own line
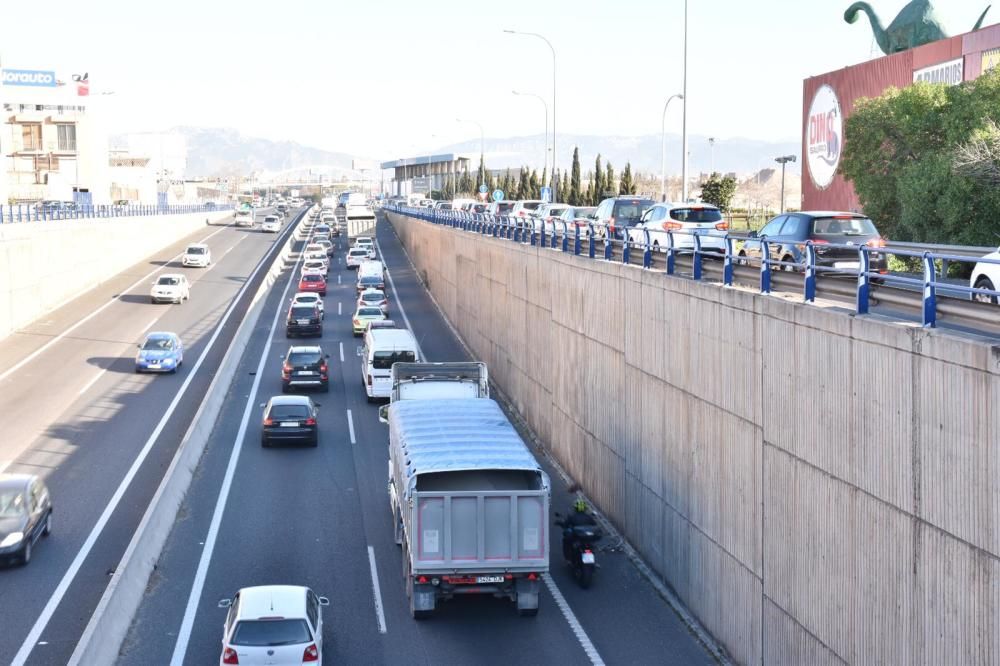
(565, 240)
(542, 242)
(671, 254)
(696, 259)
(626, 245)
(930, 291)
(607, 243)
(810, 281)
(647, 254)
(591, 251)
(533, 237)
(864, 281)
(555, 236)
(765, 267)
(517, 231)
(727, 262)
(576, 239)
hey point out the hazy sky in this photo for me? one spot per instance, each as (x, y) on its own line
(386, 78)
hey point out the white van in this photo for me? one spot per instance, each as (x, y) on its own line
(371, 275)
(382, 348)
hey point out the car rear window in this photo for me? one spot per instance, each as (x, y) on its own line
(693, 215)
(359, 253)
(281, 412)
(505, 207)
(372, 298)
(531, 205)
(304, 358)
(303, 311)
(837, 226)
(384, 360)
(312, 278)
(369, 312)
(271, 633)
(270, 218)
(373, 279)
(631, 210)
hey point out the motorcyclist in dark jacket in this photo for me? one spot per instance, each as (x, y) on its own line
(578, 517)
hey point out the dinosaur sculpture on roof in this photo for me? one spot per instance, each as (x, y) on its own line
(917, 23)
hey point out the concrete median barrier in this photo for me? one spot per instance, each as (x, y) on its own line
(110, 621)
(45, 264)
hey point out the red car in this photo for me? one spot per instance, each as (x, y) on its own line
(313, 283)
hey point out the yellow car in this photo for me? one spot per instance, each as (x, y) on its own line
(365, 314)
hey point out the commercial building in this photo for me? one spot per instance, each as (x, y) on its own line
(830, 98)
(423, 174)
(52, 145)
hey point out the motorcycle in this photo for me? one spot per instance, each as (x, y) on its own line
(578, 550)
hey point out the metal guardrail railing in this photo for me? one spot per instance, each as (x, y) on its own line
(34, 213)
(689, 250)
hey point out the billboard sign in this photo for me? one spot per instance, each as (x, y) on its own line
(30, 77)
(949, 73)
(991, 59)
(422, 185)
(824, 136)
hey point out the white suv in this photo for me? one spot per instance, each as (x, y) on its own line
(197, 254)
(986, 276)
(171, 288)
(273, 624)
(686, 221)
(309, 298)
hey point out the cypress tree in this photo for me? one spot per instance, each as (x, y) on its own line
(575, 194)
(564, 186)
(533, 185)
(627, 185)
(598, 183)
(609, 181)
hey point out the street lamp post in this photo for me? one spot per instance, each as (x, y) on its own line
(555, 183)
(663, 147)
(482, 146)
(684, 126)
(783, 160)
(711, 150)
(545, 154)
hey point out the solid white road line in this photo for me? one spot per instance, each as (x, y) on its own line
(149, 326)
(92, 381)
(27, 359)
(399, 303)
(4, 464)
(574, 624)
(50, 607)
(341, 352)
(376, 590)
(184, 635)
(350, 426)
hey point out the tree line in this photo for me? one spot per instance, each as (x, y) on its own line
(524, 183)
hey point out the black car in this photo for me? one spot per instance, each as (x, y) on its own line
(788, 233)
(619, 213)
(305, 367)
(25, 515)
(303, 320)
(290, 418)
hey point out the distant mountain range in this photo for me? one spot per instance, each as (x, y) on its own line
(222, 151)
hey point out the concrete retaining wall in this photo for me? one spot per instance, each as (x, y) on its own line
(44, 264)
(817, 487)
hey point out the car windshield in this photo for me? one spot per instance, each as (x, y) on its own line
(271, 633)
(305, 358)
(839, 226)
(307, 299)
(372, 298)
(158, 344)
(631, 210)
(384, 360)
(282, 412)
(369, 312)
(169, 281)
(531, 205)
(692, 215)
(584, 212)
(303, 311)
(11, 504)
(196, 250)
(270, 218)
(312, 278)
(555, 210)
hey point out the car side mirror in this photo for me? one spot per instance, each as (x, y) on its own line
(225, 603)
(752, 234)
(317, 405)
(323, 601)
(138, 346)
(263, 405)
(383, 414)
(328, 356)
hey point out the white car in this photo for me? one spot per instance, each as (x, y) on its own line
(986, 276)
(271, 223)
(316, 255)
(315, 267)
(197, 254)
(273, 624)
(686, 221)
(309, 298)
(357, 255)
(374, 297)
(367, 243)
(170, 288)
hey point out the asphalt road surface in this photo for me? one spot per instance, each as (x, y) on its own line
(102, 436)
(320, 517)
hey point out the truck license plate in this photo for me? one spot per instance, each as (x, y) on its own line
(489, 579)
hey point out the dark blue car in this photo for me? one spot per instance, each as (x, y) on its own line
(160, 352)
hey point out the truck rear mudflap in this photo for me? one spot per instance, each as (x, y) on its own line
(521, 588)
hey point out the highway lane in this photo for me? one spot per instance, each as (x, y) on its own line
(77, 414)
(310, 516)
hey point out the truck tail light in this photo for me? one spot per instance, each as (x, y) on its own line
(311, 653)
(229, 656)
